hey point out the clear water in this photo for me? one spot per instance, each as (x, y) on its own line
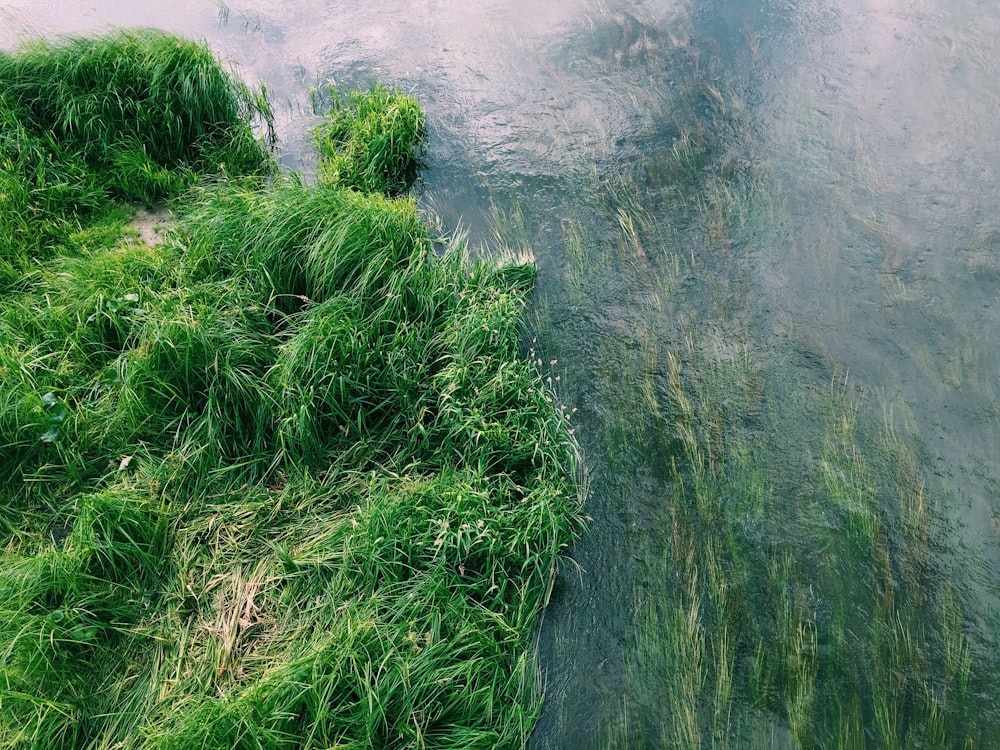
(802, 193)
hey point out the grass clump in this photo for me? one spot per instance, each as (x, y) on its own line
(70, 608)
(369, 140)
(281, 481)
(136, 99)
(134, 116)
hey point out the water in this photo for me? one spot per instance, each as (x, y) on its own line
(774, 223)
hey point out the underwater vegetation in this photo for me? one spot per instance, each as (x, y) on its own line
(782, 565)
(845, 629)
(283, 480)
(800, 581)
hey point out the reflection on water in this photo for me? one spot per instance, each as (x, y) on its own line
(740, 212)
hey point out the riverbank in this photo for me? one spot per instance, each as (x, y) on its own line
(283, 479)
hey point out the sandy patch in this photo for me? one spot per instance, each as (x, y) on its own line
(150, 222)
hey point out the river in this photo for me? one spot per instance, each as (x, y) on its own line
(768, 241)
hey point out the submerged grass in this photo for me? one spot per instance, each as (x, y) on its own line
(795, 584)
(284, 480)
(801, 591)
(813, 611)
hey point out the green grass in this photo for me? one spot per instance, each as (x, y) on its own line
(370, 140)
(132, 116)
(283, 480)
(135, 99)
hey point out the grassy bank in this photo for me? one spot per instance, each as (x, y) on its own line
(284, 480)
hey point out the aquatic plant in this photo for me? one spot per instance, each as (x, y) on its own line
(789, 558)
(793, 592)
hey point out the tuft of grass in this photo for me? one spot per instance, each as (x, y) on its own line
(299, 245)
(70, 604)
(136, 98)
(369, 140)
(135, 116)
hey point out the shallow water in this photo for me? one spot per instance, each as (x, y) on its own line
(804, 192)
